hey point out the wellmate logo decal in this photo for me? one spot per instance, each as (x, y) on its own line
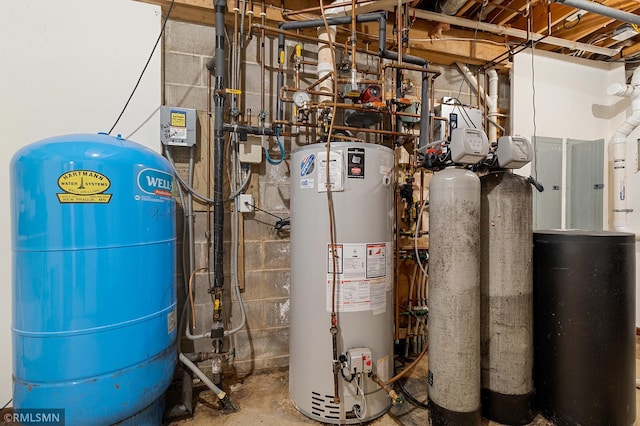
(155, 182)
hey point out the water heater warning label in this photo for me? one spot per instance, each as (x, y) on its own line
(357, 295)
(83, 186)
(360, 274)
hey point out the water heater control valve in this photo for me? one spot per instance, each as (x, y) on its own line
(359, 360)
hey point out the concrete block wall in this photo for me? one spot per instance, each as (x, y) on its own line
(263, 343)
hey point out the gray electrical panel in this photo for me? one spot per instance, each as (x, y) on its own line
(177, 126)
(547, 169)
(458, 116)
(585, 184)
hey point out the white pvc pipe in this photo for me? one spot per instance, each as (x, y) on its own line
(619, 149)
(492, 105)
(491, 99)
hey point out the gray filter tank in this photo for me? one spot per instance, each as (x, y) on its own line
(506, 284)
(362, 179)
(454, 298)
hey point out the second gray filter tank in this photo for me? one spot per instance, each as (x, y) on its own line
(454, 298)
(506, 311)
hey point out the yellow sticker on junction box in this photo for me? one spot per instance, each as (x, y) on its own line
(178, 119)
(83, 186)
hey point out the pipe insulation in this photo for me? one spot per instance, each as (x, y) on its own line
(619, 148)
(218, 143)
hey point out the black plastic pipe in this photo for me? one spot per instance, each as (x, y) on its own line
(218, 143)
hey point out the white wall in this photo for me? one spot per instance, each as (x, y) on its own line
(68, 66)
(572, 102)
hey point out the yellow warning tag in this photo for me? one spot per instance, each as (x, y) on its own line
(234, 91)
(178, 119)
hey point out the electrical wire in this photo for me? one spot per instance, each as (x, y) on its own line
(564, 23)
(533, 100)
(332, 228)
(7, 404)
(415, 237)
(410, 366)
(164, 24)
(412, 399)
(199, 196)
(428, 40)
(474, 41)
(361, 412)
(282, 153)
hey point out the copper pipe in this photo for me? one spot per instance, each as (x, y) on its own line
(410, 67)
(320, 80)
(404, 114)
(236, 11)
(347, 138)
(396, 295)
(263, 58)
(399, 30)
(353, 39)
(432, 96)
(360, 81)
(295, 35)
(354, 129)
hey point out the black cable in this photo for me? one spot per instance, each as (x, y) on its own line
(164, 24)
(5, 405)
(281, 223)
(411, 398)
(564, 23)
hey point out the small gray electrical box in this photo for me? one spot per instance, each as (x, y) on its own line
(177, 126)
(513, 152)
(359, 360)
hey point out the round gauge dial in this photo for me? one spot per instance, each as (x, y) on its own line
(301, 98)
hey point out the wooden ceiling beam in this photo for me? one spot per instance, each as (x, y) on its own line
(464, 9)
(559, 13)
(590, 23)
(502, 16)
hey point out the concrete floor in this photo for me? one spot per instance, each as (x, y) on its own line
(264, 399)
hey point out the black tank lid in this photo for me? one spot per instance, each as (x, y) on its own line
(582, 236)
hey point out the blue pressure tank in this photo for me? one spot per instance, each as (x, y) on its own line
(94, 299)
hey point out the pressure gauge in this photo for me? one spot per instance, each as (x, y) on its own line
(301, 98)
